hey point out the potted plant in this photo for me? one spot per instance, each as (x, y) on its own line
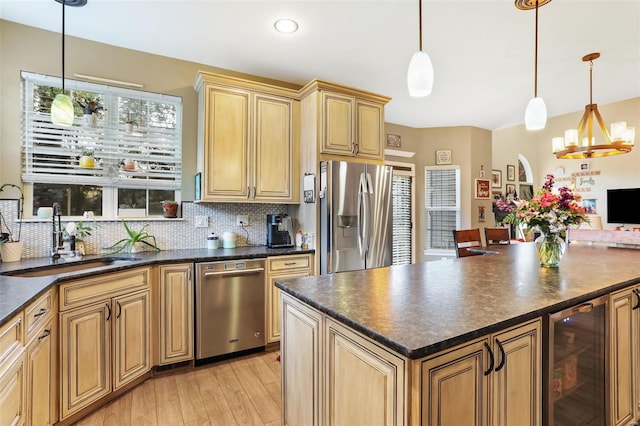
(81, 231)
(86, 159)
(10, 244)
(134, 240)
(169, 208)
(90, 109)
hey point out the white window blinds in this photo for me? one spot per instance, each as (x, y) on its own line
(401, 195)
(136, 138)
(442, 203)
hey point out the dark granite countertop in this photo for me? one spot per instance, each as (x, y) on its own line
(417, 310)
(17, 292)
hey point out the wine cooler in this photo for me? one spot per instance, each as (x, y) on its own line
(575, 366)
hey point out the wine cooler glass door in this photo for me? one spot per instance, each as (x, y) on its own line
(576, 373)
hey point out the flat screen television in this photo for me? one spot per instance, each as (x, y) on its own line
(621, 205)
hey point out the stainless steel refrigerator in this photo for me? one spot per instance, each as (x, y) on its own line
(355, 216)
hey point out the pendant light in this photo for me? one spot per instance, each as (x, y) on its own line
(535, 116)
(420, 74)
(62, 112)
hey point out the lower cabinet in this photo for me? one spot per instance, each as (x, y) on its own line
(624, 395)
(282, 268)
(176, 313)
(496, 380)
(104, 345)
(41, 377)
(12, 393)
(334, 376)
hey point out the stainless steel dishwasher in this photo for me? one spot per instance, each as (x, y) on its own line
(230, 307)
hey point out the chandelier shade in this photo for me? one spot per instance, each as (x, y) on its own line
(580, 143)
(420, 72)
(535, 116)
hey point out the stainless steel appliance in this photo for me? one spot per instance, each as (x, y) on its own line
(230, 307)
(355, 216)
(575, 366)
(279, 230)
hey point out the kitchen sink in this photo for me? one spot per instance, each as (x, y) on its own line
(73, 266)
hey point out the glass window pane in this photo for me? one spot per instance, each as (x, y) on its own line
(132, 198)
(73, 199)
(155, 200)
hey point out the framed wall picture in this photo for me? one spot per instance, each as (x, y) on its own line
(511, 172)
(496, 178)
(526, 191)
(511, 191)
(589, 205)
(443, 157)
(483, 189)
(393, 141)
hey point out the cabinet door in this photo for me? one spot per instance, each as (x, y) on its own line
(454, 388)
(85, 336)
(41, 381)
(132, 337)
(337, 136)
(226, 147)
(301, 350)
(623, 362)
(364, 383)
(370, 130)
(12, 396)
(176, 314)
(516, 378)
(275, 142)
(273, 303)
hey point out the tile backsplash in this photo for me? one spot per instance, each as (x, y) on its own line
(171, 234)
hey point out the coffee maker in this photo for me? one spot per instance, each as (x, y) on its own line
(279, 230)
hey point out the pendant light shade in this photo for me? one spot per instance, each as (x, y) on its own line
(535, 117)
(62, 111)
(420, 73)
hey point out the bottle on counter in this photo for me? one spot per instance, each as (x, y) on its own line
(213, 242)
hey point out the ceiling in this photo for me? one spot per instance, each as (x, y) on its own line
(482, 50)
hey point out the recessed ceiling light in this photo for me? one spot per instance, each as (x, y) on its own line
(286, 25)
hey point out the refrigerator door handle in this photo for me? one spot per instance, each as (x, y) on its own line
(367, 214)
(362, 214)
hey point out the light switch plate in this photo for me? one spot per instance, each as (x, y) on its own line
(242, 219)
(202, 221)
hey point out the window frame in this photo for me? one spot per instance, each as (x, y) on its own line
(454, 208)
(110, 136)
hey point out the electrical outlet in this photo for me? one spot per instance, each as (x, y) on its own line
(242, 219)
(202, 221)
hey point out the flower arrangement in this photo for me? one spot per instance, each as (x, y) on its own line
(550, 212)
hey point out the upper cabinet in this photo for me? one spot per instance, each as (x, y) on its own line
(343, 121)
(247, 140)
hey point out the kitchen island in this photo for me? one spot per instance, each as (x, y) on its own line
(373, 347)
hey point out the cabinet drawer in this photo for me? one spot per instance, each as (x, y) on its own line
(289, 263)
(38, 313)
(11, 336)
(84, 292)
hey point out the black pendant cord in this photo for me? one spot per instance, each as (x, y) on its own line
(420, 23)
(535, 73)
(63, 46)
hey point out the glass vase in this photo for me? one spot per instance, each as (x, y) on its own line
(550, 249)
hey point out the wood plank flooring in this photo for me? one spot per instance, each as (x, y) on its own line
(239, 391)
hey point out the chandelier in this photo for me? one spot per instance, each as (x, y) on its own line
(575, 145)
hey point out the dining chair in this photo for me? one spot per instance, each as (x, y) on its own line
(464, 239)
(497, 236)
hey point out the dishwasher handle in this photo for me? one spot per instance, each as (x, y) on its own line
(233, 271)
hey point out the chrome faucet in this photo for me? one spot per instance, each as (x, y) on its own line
(56, 232)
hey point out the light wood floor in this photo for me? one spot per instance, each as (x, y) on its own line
(240, 391)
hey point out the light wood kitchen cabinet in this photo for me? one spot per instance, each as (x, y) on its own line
(301, 349)
(348, 122)
(41, 376)
(106, 344)
(281, 268)
(248, 141)
(365, 383)
(176, 313)
(12, 372)
(496, 380)
(624, 375)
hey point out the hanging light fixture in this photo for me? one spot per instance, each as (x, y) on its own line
(535, 116)
(574, 145)
(420, 74)
(62, 107)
